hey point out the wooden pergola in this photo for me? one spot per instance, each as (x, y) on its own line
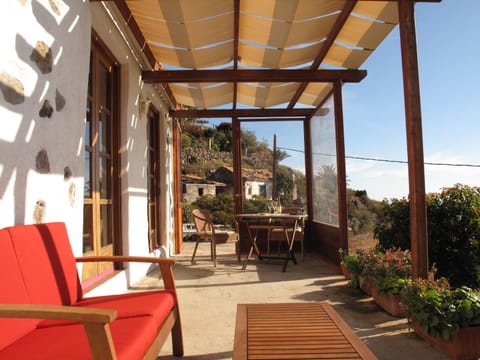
(262, 53)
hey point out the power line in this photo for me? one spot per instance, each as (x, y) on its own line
(386, 160)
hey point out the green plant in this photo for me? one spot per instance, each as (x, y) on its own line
(257, 204)
(372, 263)
(354, 265)
(453, 232)
(454, 229)
(220, 206)
(439, 310)
(392, 228)
(387, 271)
(393, 272)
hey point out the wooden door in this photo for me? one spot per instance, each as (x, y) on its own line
(101, 145)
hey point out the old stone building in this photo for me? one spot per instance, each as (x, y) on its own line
(194, 186)
(254, 181)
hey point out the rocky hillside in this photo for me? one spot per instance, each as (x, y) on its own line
(200, 161)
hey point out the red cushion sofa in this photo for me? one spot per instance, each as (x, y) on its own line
(44, 315)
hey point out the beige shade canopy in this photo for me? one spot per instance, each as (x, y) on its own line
(260, 34)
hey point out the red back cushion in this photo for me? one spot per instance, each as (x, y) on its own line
(12, 292)
(47, 263)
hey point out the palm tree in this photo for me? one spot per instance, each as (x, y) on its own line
(280, 155)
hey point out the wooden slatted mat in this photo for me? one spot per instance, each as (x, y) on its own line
(295, 331)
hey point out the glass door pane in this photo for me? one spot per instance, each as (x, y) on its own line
(324, 166)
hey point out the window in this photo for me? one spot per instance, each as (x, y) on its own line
(262, 189)
(200, 191)
(153, 131)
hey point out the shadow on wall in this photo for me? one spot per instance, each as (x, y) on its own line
(44, 102)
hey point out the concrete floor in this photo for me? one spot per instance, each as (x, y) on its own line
(208, 298)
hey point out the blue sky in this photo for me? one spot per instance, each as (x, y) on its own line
(448, 52)
(448, 40)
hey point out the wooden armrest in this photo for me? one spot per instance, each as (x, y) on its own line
(165, 265)
(57, 312)
(95, 321)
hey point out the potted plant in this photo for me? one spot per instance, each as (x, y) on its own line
(351, 266)
(448, 318)
(372, 262)
(391, 275)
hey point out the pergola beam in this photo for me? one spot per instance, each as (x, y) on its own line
(413, 116)
(242, 113)
(213, 76)
(340, 22)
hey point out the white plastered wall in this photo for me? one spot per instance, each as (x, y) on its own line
(41, 149)
(252, 187)
(56, 178)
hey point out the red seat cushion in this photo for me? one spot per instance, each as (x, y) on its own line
(157, 304)
(47, 263)
(13, 292)
(131, 337)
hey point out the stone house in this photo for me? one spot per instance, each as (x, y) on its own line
(254, 181)
(194, 186)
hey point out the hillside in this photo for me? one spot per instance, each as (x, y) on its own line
(205, 149)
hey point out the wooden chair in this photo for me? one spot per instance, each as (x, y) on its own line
(281, 235)
(206, 232)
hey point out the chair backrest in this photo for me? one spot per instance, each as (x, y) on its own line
(38, 267)
(12, 291)
(46, 260)
(202, 220)
(295, 210)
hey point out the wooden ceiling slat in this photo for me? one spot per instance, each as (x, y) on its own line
(325, 48)
(142, 42)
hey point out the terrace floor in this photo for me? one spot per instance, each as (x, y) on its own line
(209, 296)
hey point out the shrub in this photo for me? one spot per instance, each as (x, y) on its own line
(453, 218)
(220, 207)
(257, 204)
(454, 235)
(439, 310)
(393, 225)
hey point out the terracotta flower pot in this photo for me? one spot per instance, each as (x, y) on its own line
(464, 345)
(390, 303)
(365, 285)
